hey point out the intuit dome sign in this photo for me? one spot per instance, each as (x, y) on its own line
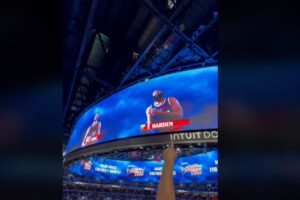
(196, 136)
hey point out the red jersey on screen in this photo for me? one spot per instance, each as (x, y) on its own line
(165, 106)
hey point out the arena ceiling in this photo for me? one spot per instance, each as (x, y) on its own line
(108, 44)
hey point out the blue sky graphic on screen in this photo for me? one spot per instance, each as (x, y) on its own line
(197, 168)
(188, 101)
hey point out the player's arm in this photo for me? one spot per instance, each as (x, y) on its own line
(83, 142)
(176, 109)
(149, 118)
(98, 128)
(166, 186)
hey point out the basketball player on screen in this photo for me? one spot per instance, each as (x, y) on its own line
(93, 133)
(163, 109)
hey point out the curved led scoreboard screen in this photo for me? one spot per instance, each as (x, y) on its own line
(182, 101)
(198, 168)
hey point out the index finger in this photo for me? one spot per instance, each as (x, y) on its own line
(172, 144)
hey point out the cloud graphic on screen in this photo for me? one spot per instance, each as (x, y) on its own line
(206, 117)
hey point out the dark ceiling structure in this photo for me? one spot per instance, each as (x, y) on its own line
(110, 44)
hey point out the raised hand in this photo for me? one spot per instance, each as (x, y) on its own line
(169, 154)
